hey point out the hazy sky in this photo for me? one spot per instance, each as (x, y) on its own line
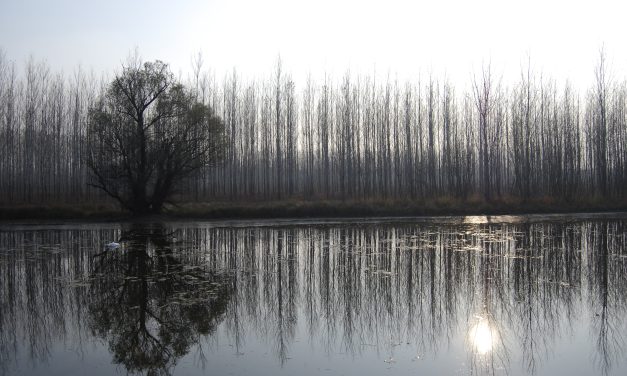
(452, 37)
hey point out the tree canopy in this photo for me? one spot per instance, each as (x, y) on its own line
(146, 134)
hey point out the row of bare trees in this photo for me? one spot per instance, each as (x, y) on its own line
(358, 137)
(43, 118)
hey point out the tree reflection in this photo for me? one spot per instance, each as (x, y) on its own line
(518, 286)
(609, 299)
(486, 336)
(511, 291)
(150, 306)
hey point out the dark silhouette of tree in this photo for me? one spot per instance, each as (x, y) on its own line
(146, 134)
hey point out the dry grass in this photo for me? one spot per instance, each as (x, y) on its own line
(300, 208)
(61, 211)
(444, 205)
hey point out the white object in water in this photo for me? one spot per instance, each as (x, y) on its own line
(112, 246)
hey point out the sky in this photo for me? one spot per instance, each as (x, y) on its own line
(450, 39)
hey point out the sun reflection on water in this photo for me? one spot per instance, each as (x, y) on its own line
(476, 219)
(483, 336)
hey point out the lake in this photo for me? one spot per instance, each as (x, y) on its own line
(513, 295)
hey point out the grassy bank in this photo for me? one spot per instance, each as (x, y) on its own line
(318, 208)
(101, 212)
(441, 206)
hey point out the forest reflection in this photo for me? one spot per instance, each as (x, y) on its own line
(510, 289)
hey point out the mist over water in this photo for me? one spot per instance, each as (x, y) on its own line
(539, 295)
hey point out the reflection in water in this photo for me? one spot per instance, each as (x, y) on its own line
(483, 336)
(148, 305)
(512, 294)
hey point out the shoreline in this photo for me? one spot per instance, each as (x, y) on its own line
(296, 209)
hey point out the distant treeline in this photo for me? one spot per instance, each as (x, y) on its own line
(356, 137)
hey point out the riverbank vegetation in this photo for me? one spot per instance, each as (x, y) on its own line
(295, 208)
(354, 142)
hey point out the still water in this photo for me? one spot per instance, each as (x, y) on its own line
(540, 295)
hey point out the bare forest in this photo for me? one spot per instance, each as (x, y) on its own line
(352, 137)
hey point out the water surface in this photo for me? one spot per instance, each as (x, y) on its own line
(512, 295)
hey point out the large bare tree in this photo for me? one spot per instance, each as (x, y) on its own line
(146, 134)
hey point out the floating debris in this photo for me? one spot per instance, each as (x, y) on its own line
(111, 246)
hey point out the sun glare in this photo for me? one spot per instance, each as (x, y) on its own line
(482, 337)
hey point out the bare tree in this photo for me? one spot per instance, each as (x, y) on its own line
(146, 134)
(352, 138)
(483, 102)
